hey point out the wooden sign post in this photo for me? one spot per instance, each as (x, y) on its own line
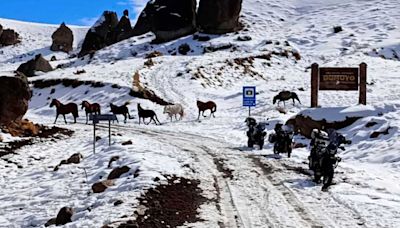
(338, 78)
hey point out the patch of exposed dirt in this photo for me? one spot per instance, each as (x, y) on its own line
(170, 205)
(227, 173)
(44, 133)
(74, 83)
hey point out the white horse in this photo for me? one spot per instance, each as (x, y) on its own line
(173, 110)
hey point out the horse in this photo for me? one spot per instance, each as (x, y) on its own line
(90, 108)
(65, 109)
(204, 106)
(173, 110)
(121, 110)
(284, 96)
(143, 114)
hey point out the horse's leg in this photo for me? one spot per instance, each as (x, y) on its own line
(170, 116)
(65, 120)
(87, 119)
(139, 119)
(176, 118)
(125, 118)
(198, 118)
(55, 121)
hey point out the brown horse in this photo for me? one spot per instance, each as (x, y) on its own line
(90, 108)
(143, 114)
(65, 109)
(204, 106)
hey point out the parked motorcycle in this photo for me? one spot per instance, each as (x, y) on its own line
(323, 158)
(256, 133)
(282, 139)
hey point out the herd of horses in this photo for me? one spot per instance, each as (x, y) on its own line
(95, 109)
(171, 110)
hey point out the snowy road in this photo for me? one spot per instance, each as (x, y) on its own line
(260, 191)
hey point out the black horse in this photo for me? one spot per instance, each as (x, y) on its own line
(143, 114)
(121, 110)
(284, 96)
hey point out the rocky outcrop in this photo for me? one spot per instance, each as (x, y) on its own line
(14, 98)
(218, 16)
(64, 216)
(100, 34)
(124, 28)
(36, 64)
(305, 124)
(8, 37)
(63, 39)
(167, 19)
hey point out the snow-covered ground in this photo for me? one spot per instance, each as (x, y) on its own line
(266, 190)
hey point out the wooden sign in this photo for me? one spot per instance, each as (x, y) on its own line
(338, 78)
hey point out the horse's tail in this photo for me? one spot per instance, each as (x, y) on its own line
(75, 112)
(214, 109)
(296, 97)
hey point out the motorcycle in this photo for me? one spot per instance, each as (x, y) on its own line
(323, 158)
(256, 133)
(282, 139)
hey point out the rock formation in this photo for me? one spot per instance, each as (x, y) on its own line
(63, 39)
(100, 34)
(218, 16)
(167, 19)
(8, 37)
(37, 64)
(14, 98)
(124, 28)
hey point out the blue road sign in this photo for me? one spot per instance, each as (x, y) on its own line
(249, 96)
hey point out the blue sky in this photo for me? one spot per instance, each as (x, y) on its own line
(75, 12)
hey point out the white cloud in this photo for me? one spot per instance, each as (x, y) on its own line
(88, 21)
(137, 7)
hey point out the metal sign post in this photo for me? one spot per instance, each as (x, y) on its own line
(96, 119)
(249, 97)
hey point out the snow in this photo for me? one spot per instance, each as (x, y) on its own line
(266, 190)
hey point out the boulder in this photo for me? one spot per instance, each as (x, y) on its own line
(50, 222)
(117, 172)
(183, 49)
(219, 16)
(167, 19)
(14, 99)
(36, 64)
(101, 186)
(64, 216)
(305, 124)
(100, 34)
(9, 37)
(75, 158)
(63, 39)
(124, 29)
